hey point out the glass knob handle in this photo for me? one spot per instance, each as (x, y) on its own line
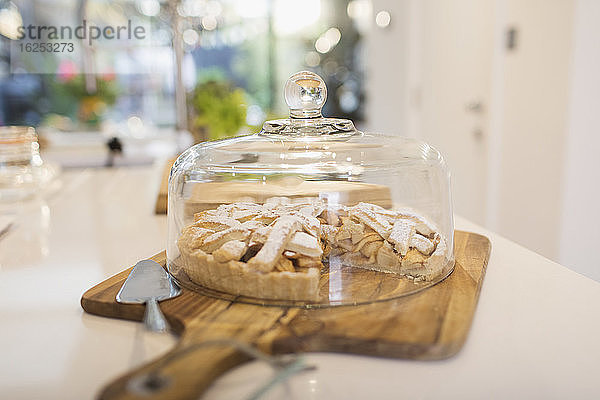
(305, 94)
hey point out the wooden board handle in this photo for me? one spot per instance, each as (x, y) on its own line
(184, 373)
(207, 349)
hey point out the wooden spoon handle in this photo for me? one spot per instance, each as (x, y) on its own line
(184, 373)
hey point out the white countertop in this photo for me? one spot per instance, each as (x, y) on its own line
(535, 335)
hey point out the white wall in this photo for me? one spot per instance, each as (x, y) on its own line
(386, 70)
(580, 228)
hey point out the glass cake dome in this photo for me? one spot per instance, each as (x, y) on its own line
(310, 212)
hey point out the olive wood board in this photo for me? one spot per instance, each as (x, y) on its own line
(212, 194)
(430, 325)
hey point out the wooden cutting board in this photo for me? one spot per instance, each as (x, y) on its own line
(429, 325)
(161, 205)
(206, 196)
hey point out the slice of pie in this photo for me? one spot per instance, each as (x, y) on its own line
(276, 250)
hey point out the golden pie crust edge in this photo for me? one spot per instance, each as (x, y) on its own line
(235, 277)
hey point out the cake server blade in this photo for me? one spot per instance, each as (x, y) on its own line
(149, 283)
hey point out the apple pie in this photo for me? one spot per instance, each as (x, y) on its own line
(276, 250)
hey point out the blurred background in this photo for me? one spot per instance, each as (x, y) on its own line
(508, 90)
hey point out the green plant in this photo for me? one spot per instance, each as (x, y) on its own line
(75, 88)
(219, 110)
(71, 96)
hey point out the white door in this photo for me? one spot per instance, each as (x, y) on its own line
(450, 73)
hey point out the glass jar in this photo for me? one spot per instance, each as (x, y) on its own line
(310, 212)
(22, 171)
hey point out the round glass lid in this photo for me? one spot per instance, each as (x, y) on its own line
(310, 212)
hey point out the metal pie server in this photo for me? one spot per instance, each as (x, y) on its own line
(149, 283)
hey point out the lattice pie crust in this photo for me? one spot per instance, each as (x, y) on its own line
(275, 250)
